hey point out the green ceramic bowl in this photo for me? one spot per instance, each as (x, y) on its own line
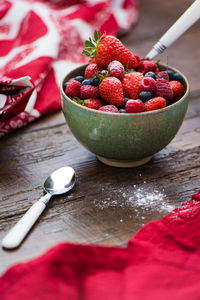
(123, 140)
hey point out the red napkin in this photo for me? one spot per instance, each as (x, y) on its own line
(161, 262)
(41, 41)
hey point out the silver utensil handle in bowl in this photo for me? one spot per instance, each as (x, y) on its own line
(190, 16)
(16, 235)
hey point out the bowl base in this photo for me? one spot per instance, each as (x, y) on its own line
(124, 163)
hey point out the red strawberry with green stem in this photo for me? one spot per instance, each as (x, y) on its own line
(107, 48)
(111, 90)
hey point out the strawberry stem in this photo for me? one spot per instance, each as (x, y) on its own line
(91, 46)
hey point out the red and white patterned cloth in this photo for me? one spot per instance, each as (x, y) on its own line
(40, 41)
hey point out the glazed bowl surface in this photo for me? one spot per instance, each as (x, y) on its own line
(124, 140)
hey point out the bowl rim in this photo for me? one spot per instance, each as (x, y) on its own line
(127, 115)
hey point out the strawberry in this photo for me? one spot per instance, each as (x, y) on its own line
(116, 69)
(163, 89)
(147, 66)
(134, 106)
(163, 75)
(92, 61)
(109, 108)
(178, 89)
(107, 48)
(93, 103)
(111, 90)
(91, 70)
(89, 91)
(73, 88)
(131, 84)
(155, 103)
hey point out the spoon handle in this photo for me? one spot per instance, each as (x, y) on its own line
(16, 235)
(190, 16)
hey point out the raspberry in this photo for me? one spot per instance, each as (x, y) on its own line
(109, 108)
(131, 84)
(147, 66)
(89, 91)
(163, 89)
(137, 57)
(134, 106)
(163, 75)
(116, 69)
(155, 103)
(148, 84)
(178, 89)
(73, 89)
(93, 103)
(91, 70)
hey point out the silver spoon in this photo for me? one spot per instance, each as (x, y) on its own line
(59, 182)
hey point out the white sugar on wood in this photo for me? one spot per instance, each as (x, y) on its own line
(136, 198)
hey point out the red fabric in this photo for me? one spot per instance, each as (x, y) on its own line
(41, 41)
(161, 262)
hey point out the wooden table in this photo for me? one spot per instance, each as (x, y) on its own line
(108, 205)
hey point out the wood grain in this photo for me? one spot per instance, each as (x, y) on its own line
(108, 205)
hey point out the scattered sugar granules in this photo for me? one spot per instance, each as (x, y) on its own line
(138, 199)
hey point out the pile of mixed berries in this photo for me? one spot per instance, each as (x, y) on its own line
(118, 81)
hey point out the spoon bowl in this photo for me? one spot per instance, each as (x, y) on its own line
(60, 181)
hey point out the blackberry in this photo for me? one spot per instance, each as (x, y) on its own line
(95, 81)
(145, 96)
(79, 78)
(150, 74)
(171, 75)
(87, 82)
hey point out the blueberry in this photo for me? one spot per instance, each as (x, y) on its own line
(104, 72)
(87, 82)
(136, 68)
(167, 102)
(145, 96)
(178, 77)
(79, 78)
(122, 111)
(65, 85)
(171, 74)
(150, 74)
(126, 100)
(95, 81)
